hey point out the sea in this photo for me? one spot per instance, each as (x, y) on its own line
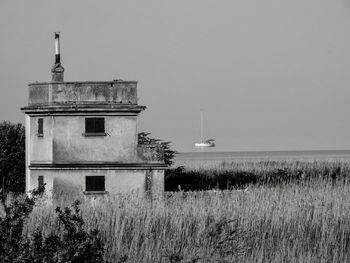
(186, 158)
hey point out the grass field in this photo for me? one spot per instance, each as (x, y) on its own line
(299, 221)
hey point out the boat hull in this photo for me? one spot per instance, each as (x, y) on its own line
(202, 144)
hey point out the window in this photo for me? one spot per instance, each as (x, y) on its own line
(94, 126)
(40, 181)
(95, 184)
(40, 127)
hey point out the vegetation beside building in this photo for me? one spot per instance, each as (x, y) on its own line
(71, 244)
(12, 157)
(301, 221)
(249, 211)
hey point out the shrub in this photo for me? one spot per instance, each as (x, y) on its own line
(74, 245)
(11, 223)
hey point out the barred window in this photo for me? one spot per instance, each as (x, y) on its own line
(94, 125)
(94, 183)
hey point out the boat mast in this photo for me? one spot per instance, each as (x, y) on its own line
(202, 137)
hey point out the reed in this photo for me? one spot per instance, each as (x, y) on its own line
(302, 221)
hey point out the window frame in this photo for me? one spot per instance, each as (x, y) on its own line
(94, 189)
(91, 129)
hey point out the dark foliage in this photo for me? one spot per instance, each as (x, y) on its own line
(143, 138)
(75, 245)
(181, 179)
(12, 157)
(11, 223)
(197, 180)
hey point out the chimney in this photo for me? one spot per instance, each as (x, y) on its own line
(57, 70)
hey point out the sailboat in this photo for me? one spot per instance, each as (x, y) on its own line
(204, 143)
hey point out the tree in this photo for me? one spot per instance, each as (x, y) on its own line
(143, 138)
(12, 157)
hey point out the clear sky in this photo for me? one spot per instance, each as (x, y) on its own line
(270, 75)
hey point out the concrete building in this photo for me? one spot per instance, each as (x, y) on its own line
(82, 137)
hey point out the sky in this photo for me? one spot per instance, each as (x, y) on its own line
(269, 75)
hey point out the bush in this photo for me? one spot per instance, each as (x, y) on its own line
(11, 223)
(75, 245)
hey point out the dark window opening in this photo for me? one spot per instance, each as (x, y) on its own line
(94, 125)
(40, 127)
(95, 183)
(40, 181)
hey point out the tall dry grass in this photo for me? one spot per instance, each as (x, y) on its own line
(261, 165)
(296, 222)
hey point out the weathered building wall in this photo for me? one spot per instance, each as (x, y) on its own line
(83, 92)
(63, 141)
(41, 147)
(116, 181)
(70, 145)
(157, 183)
